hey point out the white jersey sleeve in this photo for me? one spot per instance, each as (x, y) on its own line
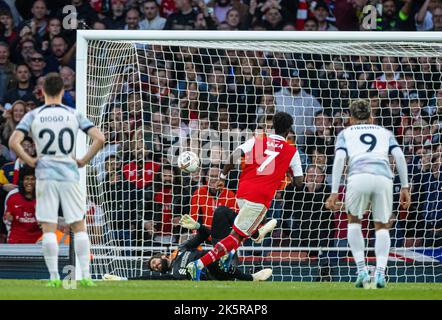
(340, 142)
(26, 123)
(84, 123)
(247, 146)
(296, 165)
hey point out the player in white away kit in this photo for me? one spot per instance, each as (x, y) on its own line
(369, 183)
(54, 129)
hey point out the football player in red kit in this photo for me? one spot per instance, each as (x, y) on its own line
(267, 160)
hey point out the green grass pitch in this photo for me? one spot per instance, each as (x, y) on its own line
(177, 290)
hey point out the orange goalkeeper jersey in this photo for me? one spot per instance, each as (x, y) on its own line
(203, 204)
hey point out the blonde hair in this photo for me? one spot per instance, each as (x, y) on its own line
(360, 109)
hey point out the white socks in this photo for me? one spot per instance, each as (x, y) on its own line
(357, 245)
(50, 253)
(382, 248)
(82, 249)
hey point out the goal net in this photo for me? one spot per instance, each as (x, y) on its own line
(156, 98)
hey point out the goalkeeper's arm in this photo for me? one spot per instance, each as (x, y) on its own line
(202, 235)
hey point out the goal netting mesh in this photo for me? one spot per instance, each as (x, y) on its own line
(155, 99)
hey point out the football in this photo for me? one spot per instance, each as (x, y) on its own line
(188, 161)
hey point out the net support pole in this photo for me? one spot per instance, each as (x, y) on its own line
(81, 100)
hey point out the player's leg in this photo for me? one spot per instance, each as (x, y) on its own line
(246, 222)
(222, 222)
(82, 249)
(47, 214)
(357, 200)
(259, 235)
(382, 210)
(50, 253)
(74, 210)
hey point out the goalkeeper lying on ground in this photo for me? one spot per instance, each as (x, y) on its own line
(173, 267)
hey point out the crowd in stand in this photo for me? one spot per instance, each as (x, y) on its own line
(176, 91)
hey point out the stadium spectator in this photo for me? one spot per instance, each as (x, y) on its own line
(23, 51)
(20, 210)
(206, 198)
(23, 89)
(311, 24)
(132, 20)
(141, 170)
(38, 23)
(152, 20)
(13, 117)
(294, 100)
(221, 8)
(160, 222)
(12, 169)
(437, 18)
(266, 105)
(37, 65)
(98, 25)
(390, 76)
(111, 148)
(38, 93)
(185, 16)
(7, 69)
(10, 35)
(321, 13)
(68, 76)
(116, 18)
(392, 20)
(63, 54)
(322, 135)
(273, 18)
(233, 19)
(85, 13)
(416, 108)
(54, 29)
(424, 17)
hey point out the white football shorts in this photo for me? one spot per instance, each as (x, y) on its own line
(249, 217)
(52, 194)
(366, 189)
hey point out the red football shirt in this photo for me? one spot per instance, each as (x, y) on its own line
(267, 160)
(140, 177)
(24, 226)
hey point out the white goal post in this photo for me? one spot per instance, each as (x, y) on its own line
(161, 87)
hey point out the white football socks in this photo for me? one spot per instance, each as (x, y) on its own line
(82, 249)
(357, 245)
(50, 253)
(382, 248)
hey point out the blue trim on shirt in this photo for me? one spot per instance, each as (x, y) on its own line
(340, 148)
(392, 147)
(85, 130)
(22, 130)
(53, 105)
